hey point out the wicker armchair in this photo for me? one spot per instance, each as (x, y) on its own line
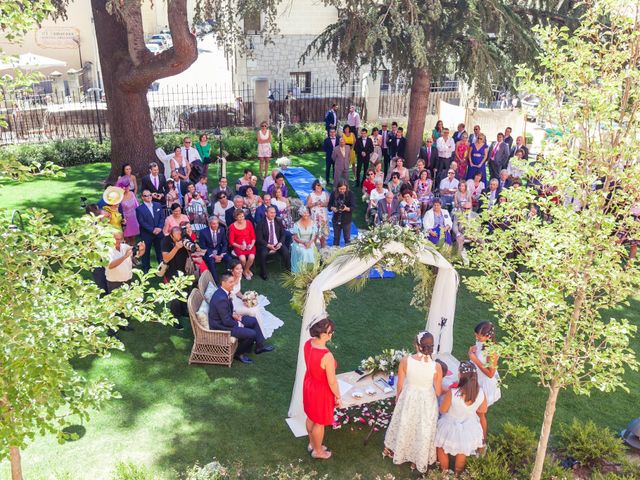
(216, 347)
(204, 280)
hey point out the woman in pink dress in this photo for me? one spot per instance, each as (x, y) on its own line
(462, 156)
(128, 209)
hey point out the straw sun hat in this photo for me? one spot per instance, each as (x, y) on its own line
(113, 195)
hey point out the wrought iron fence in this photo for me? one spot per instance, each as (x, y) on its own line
(394, 103)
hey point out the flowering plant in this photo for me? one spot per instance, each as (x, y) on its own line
(250, 299)
(387, 361)
(376, 415)
(283, 162)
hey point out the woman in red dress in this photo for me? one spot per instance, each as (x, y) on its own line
(242, 238)
(320, 393)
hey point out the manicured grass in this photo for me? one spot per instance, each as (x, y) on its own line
(173, 415)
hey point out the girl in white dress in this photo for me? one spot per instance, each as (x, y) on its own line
(488, 376)
(412, 430)
(267, 321)
(459, 432)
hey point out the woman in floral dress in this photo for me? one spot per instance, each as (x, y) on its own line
(317, 202)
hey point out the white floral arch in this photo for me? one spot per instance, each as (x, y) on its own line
(337, 273)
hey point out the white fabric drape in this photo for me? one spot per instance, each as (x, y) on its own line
(443, 303)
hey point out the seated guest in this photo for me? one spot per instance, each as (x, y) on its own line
(368, 185)
(191, 190)
(448, 188)
(414, 172)
(410, 211)
(244, 328)
(423, 187)
(492, 193)
(238, 204)
(221, 206)
(244, 180)
(378, 173)
(303, 248)
(155, 182)
(476, 187)
(175, 252)
(283, 204)
(436, 222)
(375, 196)
(462, 200)
(180, 164)
(175, 219)
(198, 253)
(261, 211)
(270, 234)
(213, 240)
(401, 170)
(395, 185)
(270, 180)
(242, 239)
(150, 216)
(458, 228)
(504, 181)
(181, 185)
(203, 189)
(222, 187)
(278, 185)
(388, 209)
(173, 195)
(252, 200)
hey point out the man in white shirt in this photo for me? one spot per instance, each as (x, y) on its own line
(448, 188)
(445, 146)
(353, 119)
(188, 152)
(121, 259)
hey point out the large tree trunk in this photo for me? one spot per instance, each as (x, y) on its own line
(16, 463)
(128, 69)
(549, 412)
(418, 102)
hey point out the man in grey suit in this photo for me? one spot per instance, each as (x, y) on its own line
(498, 156)
(388, 209)
(340, 157)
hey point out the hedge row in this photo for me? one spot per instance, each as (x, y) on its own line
(240, 143)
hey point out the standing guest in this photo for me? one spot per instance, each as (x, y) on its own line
(476, 188)
(353, 119)
(437, 222)
(238, 204)
(270, 234)
(264, 148)
(278, 184)
(246, 329)
(448, 188)
(330, 143)
(151, 220)
(398, 144)
(155, 182)
(303, 249)
(349, 138)
(423, 187)
(340, 157)
(180, 164)
(429, 154)
(173, 195)
(112, 198)
(363, 149)
(213, 240)
(376, 139)
(401, 170)
(317, 202)
(377, 194)
(410, 211)
(127, 172)
(498, 156)
(462, 157)
(385, 137)
(388, 208)
(128, 207)
(270, 180)
(508, 139)
(395, 185)
(414, 172)
(487, 366)
(341, 203)
(446, 147)
(437, 131)
(175, 219)
(412, 430)
(121, 258)
(457, 136)
(320, 393)
(193, 157)
(175, 255)
(520, 145)
(478, 158)
(223, 187)
(204, 150)
(331, 118)
(473, 138)
(203, 189)
(242, 238)
(368, 185)
(220, 208)
(459, 432)
(283, 208)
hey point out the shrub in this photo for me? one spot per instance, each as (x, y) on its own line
(611, 476)
(211, 471)
(491, 466)
(590, 445)
(552, 470)
(131, 471)
(517, 444)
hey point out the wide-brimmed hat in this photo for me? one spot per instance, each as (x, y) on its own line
(113, 195)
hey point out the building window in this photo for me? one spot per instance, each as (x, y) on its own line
(384, 80)
(301, 81)
(252, 23)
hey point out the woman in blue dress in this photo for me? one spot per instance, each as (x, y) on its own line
(303, 248)
(478, 158)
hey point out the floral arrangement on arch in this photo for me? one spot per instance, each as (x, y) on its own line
(388, 361)
(250, 299)
(376, 415)
(283, 162)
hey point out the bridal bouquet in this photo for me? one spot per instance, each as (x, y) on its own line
(250, 299)
(387, 361)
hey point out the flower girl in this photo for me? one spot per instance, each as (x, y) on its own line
(412, 430)
(459, 431)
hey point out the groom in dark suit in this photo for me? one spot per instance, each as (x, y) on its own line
(150, 217)
(246, 329)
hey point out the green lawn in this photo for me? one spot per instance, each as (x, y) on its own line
(173, 415)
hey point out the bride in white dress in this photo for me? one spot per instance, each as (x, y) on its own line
(412, 430)
(267, 321)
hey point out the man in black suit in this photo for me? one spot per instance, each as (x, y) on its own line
(222, 317)
(155, 182)
(181, 185)
(238, 203)
(214, 241)
(398, 145)
(329, 144)
(331, 118)
(364, 149)
(261, 211)
(150, 216)
(270, 239)
(388, 209)
(429, 154)
(386, 136)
